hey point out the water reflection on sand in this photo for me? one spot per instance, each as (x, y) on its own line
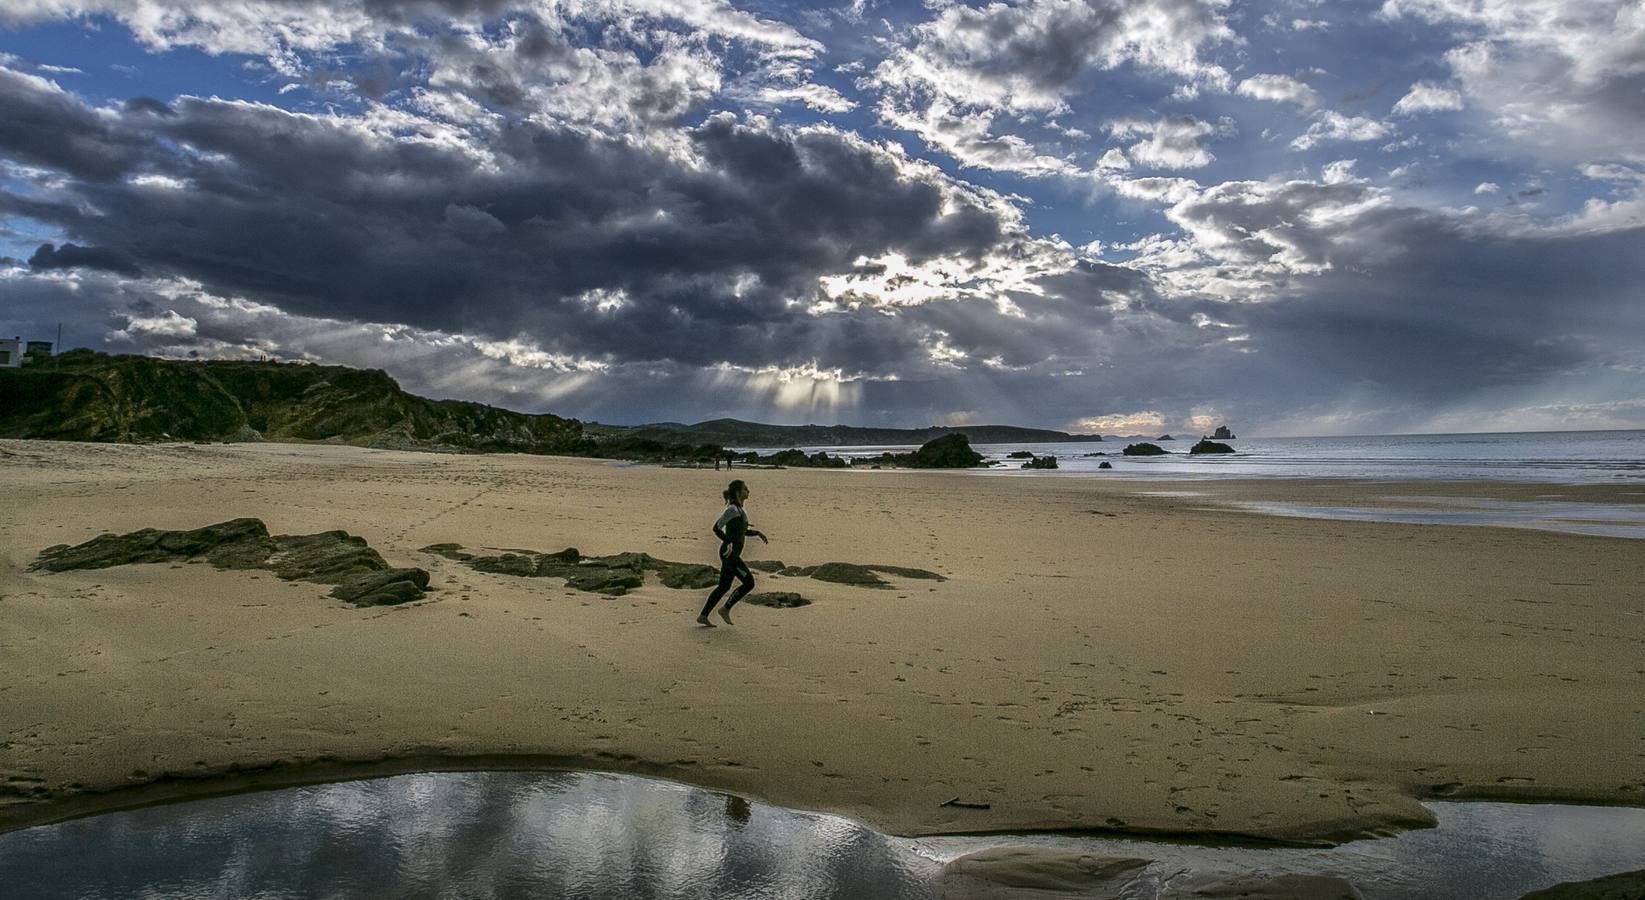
(571, 834)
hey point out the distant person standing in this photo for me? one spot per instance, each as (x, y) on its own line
(731, 529)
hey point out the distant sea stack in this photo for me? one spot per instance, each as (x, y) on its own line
(1222, 434)
(1143, 449)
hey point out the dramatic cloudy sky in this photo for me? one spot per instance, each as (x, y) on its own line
(1296, 216)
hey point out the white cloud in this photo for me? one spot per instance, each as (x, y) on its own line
(955, 77)
(1280, 89)
(1332, 126)
(1142, 420)
(1487, 187)
(1176, 143)
(1424, 97)
(1563, 78)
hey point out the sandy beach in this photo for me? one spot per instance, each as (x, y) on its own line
(1101, 656)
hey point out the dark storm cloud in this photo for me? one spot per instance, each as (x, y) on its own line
(73, 256)
(42, 125)
(326, 216)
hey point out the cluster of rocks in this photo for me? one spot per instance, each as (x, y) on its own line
(359, 575)
(1205, 445)
(619, 573)
(1030, 461)
(951, 451)
(614, 575)
(854, 574)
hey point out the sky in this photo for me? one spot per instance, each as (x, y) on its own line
(1114, 216)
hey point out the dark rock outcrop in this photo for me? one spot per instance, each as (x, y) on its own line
(1222, 433)
(1019, 454)
(1622, 886)
(951, 451)
(845, 573)
(360, 576)
(1206, 445)
(615, 575)
(1165, 437)
(620, 573)
(777, 599)
(797, 459)
(1143, 449)
(1040, 462)
(1105, 464)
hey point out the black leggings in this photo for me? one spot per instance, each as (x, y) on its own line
(731, 567)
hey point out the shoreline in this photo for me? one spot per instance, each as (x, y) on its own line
(172, 789)
(1097, 656)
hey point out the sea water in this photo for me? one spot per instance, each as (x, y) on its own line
(591, 835)
(1567, 457)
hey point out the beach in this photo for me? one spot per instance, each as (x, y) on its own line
(1103, 655)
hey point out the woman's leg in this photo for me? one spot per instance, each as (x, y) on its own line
(747, 578)
(728, 571)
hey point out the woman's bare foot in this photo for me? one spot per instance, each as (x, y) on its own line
(727, 617)
(703, 620)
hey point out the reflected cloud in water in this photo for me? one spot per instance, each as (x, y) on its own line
(573, 834)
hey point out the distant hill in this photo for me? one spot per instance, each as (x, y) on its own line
(737, 433)
(87, 396)
(83, 395)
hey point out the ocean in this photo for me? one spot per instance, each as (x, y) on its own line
(1565, 457)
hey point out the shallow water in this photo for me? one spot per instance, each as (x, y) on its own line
(575, 834)
(1597, 519)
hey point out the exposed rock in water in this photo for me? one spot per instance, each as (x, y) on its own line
(1267, 887)
(1206, 445)
(777, 599)
(1165, 437)
(1143, 449)
(1622, 886)
(360, 575)
(1222, 433)
(1040, 462)
(1105, 464)
(1035, 872)
(951, 451)
(1019, 454)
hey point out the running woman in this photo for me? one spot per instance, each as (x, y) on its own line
(731, 528)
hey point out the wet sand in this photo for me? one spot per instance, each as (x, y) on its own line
(1098, 659)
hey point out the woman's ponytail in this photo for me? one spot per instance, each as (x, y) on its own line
(732, 490)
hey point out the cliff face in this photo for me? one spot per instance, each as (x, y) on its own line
(86, 396)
